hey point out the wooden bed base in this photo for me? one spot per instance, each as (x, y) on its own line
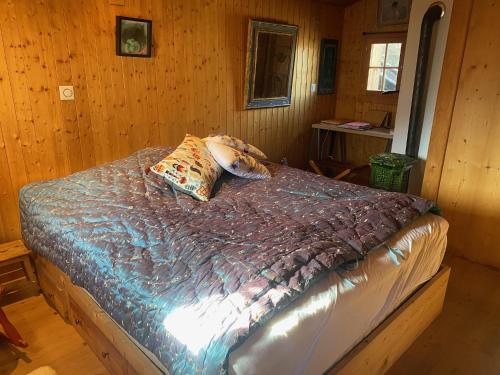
(120, 355)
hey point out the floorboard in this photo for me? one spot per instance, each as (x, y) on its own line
(465, 338)
(51, 342)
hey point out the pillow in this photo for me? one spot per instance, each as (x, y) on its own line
(237, 162)
(237, 144)
(190, 168)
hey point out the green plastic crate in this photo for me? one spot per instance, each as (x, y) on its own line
(390, 171)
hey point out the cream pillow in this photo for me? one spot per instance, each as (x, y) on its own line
(237, 162)
(237, 144)
(190, 168)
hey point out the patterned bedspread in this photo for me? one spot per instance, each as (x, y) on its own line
(191, 280)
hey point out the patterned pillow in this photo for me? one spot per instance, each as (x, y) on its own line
(237, 144)
(237, 162)
(190, 168)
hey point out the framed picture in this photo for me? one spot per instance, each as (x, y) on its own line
(327, 66)
(133, 37)
(393, 12)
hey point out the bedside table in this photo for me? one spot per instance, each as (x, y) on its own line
(16, 269)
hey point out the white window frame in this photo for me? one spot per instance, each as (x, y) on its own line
(383, 39)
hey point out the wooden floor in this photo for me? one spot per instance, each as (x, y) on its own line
(465, 339)
(51, 342)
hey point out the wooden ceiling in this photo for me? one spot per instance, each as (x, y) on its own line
(340, 2)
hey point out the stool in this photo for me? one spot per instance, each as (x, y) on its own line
(10, 254)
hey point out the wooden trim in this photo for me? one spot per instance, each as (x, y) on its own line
(381, 349)
(445, 103)
(367, 33)
(377, 351)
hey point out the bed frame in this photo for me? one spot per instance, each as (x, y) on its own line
(121, 355)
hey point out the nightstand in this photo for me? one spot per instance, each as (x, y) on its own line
(16, 270)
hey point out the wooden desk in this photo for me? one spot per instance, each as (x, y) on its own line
(375, 132)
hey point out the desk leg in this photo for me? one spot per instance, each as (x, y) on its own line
(388, 145)
(318, 144)
(315, 138)
(310, 150)
(343, 147)
(331, 149)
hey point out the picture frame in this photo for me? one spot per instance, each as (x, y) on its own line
(393, 12)
(327, 66)
(133, 37)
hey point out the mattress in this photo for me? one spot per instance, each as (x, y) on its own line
(190, 280)
(319, 329)
(342, 309)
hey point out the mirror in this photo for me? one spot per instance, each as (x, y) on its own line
(270, 61)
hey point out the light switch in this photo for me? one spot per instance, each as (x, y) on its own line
(66, 93)
(314, 87)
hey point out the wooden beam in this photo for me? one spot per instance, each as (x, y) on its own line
(342, 3)
(445, 103)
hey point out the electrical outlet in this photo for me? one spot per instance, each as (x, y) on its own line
(314, 87)
(66, 93)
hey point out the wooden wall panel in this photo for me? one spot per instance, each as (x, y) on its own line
(469, 192)
(352, 101)
(194, 83)
(445, 102)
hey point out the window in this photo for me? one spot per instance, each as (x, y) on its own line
(384, 66)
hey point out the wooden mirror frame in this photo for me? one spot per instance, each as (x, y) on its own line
(254, 28)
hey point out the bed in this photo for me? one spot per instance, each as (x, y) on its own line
(302, 256)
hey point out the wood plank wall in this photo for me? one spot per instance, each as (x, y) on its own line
(352, 101)
(193, 84)
(445, 101)
(469, 191)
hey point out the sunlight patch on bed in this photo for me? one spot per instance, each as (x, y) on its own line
(197, 325)
(284, 324)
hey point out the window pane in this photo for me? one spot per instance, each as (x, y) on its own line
(377, 55)
(375, 79)
(390, 79)
(393, 54)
